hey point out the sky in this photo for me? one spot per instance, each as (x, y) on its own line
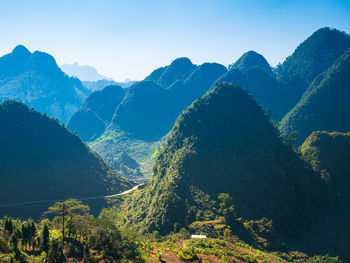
(130, 38)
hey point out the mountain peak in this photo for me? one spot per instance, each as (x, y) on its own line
(251, 59)
(20, 49)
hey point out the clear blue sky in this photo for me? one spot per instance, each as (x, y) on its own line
(130, 38)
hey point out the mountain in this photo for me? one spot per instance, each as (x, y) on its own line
(329, 155)
(97, 111)
(253, 73)
(312, 57)
(83, 72)
(35, 79)
(224, 143)
(86, 124)
(41, 160)
(325, 104)
(144, 111)
(102, 83)
(147, 113)
(251, 59)
(179, 69)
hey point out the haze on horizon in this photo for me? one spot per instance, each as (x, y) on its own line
(128, 40)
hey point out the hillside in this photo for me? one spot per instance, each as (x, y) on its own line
(41, 159)
(311, 57)
(223, 143)
(329, 155)
(35, 79)
(325, 104)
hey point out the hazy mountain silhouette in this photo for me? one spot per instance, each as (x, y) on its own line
(35, 79)
(83, 72)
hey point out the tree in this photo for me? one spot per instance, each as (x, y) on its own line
(67, 208)
(9, 225)
(56, 252)
(45, 240)
(227, 208)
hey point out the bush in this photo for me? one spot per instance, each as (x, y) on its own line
(4, 247)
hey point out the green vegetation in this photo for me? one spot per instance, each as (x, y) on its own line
(84, 239)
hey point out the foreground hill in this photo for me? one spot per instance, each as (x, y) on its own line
(312, 57)
(223, 143)
(325, 104)
(40, 159)
(35, 79)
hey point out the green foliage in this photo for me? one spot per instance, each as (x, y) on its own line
(45, 240)
(324, 259)
(55, 254)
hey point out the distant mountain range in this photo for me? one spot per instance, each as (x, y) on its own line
(100, 84)
(35, 79)
(83, 72)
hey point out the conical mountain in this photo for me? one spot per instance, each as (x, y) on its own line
(86, 124)
(149, 111)
(312, 57)
(179, 69)
(260, 83)
(90, 121)
(144, 111)
(104, 102)
(41, 160)
(224, 143)
(35, 79)
(252, 59)
(325, 104)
